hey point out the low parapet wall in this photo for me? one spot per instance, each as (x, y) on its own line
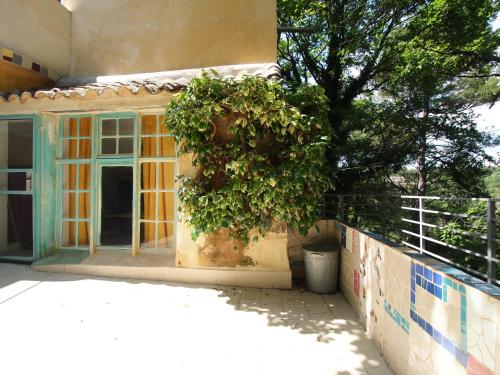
(425, 317)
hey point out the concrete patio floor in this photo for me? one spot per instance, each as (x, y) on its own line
(66, 324)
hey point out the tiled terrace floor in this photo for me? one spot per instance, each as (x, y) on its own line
(65, 324)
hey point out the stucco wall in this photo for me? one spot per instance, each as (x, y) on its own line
(39, 29)
(425, 317)
(133, 36)
(216, 251)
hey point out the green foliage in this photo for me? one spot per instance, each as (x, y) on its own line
(492, 182)
(399, 75)
(259, 151)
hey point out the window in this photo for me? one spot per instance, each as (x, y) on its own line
(157, 187)
(75, 176)
(117, 136)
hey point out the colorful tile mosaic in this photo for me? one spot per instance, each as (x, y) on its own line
(12, 57)
(397, 317)
(437, 285)
(357, 283)
(474, 367)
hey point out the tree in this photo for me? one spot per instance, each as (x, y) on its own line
(417, 48)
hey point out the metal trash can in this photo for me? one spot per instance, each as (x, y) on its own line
(321, 266)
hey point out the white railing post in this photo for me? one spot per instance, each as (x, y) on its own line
(421, 223)
(491, 241)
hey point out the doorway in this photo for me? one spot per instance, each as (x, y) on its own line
(16, 189)
(116, 216)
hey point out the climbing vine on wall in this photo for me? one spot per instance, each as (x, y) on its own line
(259, 151)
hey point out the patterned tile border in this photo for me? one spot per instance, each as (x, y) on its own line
(437, 285)
(397, 317)
(27, 63)
(357, 283)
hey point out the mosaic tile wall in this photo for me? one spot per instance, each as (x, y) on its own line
(25, 62)
(425, 317)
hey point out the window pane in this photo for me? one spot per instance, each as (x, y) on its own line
(15, 181)
(165, 234)
(70, 149)
(83, 233)
(148, 125)
(167, 146)
(69, 205)
(108, 127)
(16, 225)
(68, 232)
(147, 235)
(84, 205)
(163, 129)
(69, 177)
(16, 144)
(84, 177)
(167, 176)
(148, 206)
(70, 127)
(126, 126)
(166, 206)
(85, 127)
(85, 147)
(148, 176)
(108, 146)
(126, 145)
(148, 146)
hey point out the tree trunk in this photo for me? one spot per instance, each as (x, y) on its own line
(422, 149)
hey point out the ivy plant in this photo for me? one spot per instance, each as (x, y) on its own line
(259, 149)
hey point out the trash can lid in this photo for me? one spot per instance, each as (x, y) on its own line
(321, 247)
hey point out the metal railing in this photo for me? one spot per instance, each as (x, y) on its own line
(458, 231)
(480, 226)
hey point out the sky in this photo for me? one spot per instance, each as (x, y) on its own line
(489, 118)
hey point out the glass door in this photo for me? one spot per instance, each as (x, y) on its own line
(16, 189)
(115, 207)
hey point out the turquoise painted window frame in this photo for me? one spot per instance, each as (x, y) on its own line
(97, 161)
(35, 192)
(60, 163)
(157, 160)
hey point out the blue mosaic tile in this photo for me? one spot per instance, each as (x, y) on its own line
(454, 285)
(438, 279)
(448, 282)
(420, 269)
(461, 290)
(421, 321)
(419, 280)
(413, 316)
(413, 284)
(448, 345)
(424, 284)
(428, 328)
(438, 292)
(463, 301)
(445, 295)
(343, 236)
(412, 297)
(413, 270)
(437, 336)
(428, 274)
(461, 357)
(430, 288)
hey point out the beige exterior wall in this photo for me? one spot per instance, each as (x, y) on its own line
(134, 36)
(39, 29)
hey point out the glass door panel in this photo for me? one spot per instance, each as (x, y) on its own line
(16, 188)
